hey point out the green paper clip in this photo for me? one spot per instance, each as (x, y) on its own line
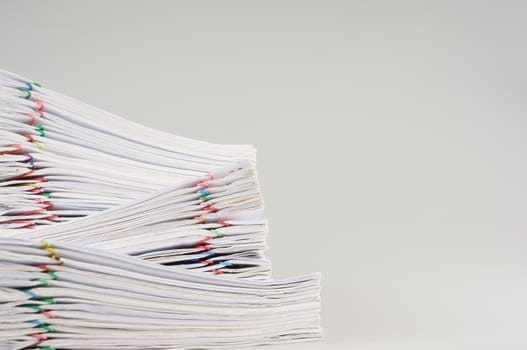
(47, 328)
(36, 307)
(49, 300)
(45, 282)
(216, 232)
(28, 93)
(53, 275)
(40, 129)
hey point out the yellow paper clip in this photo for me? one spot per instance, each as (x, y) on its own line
(47, 247)
(201, 218)
(46, 244)
(39, 144)
(53, 252)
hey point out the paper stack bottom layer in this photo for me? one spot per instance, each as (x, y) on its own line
(64, 296)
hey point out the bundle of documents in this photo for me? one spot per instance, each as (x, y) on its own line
(62, 296)
(85, 159)
(111, 227)
(172, 226)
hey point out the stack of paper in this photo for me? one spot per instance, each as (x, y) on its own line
(172, 226)
(150, 232)
(64, 159)
(62, 296)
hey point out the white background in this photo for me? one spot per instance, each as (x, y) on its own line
(391, 139)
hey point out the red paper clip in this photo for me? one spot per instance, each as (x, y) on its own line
(31, 212)
(39, 336)
(18, 149)
(40, 104)
(44, 268)
(50, 314)
(31, 171)
(201, 241)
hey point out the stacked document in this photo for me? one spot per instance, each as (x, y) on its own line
(63, 159)
(63, 296)
(107, 227)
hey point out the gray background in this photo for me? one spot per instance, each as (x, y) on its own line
(391, 139)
